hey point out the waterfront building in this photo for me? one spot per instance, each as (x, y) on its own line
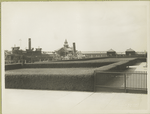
(130, 52)
(111, 53)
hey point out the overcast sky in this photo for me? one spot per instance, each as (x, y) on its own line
(93, 26)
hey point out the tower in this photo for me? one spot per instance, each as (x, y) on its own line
(66, 44)
(29, 43)
(74, 49)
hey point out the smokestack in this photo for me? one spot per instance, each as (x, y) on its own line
(74, 48)
(29, 43)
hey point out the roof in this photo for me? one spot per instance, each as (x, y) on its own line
(7, 52)
(93, 52)
(15, 48)
(130, 50)
(47, 52)
(111, 50)
(38, 49)
(58, 49)
(67, 49)
(141, 52)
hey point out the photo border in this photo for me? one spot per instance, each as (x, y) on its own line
(148, 40)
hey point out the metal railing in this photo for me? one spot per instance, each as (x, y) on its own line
(121, 81)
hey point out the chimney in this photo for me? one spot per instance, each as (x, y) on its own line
(29, 43)
(74, 49)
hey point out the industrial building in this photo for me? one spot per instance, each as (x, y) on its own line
(29, 55)
(64, 53)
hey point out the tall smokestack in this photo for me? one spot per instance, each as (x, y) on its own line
(74, 48)
(29, 43)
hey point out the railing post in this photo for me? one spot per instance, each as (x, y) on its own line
(125, 83)
(94, 80)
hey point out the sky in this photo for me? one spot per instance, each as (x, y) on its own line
(93, 26)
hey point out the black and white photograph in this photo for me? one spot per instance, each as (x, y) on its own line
(75, 57)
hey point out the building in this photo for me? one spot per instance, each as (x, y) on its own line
(141, 54)
(30, 51)
(29, 55)
(111, 53)
(8, 56)
(130, 52)
(94, 54)
(66, 50)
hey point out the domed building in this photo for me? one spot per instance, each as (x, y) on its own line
(66, 50)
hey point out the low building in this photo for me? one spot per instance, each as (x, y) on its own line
(130, 52)
(141, 54)
(94, 54)
(111, 53)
